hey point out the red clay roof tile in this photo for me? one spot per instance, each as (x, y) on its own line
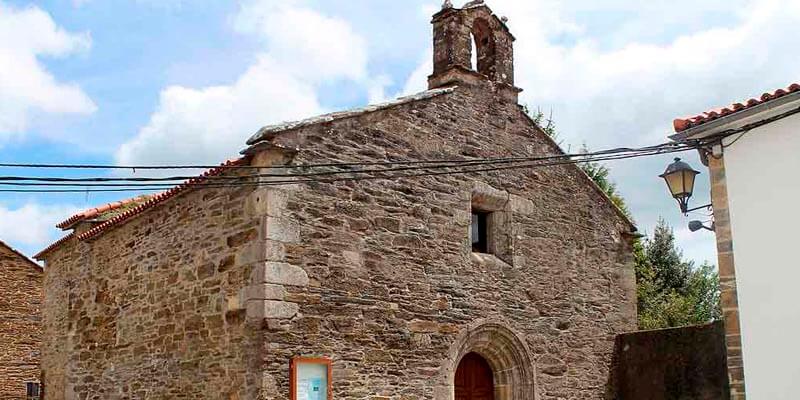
(145, 204)
(156, 200)
(40, 256)
(97, 211)
(682, 124)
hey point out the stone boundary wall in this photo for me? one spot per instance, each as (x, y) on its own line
(673, 364)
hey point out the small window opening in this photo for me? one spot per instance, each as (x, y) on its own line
(32, 391)
(479, 231)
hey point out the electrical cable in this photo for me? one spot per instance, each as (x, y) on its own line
(201, 184)
(321, 165)
(451, 164)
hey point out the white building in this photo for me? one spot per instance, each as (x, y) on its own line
(755, 179)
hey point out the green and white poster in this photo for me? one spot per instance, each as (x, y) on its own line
(312, 381)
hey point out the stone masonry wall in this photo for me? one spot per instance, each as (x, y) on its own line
(55, 319)
(20, 328)
(392, 280)
(149, 309)
(211, 294)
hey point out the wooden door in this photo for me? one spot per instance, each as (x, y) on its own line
(474, 379)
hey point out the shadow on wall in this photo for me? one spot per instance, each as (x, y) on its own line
(672, 364)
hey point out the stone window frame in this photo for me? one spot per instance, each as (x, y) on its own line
(327, 362)
(496, 205)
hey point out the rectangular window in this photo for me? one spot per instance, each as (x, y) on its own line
(32, 390)
(311, 379)
(479, 231)
(491, 231)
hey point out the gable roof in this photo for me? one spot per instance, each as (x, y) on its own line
(158, 199)
(104, 212)
(268, 132)
(22, 256)
(40, 255)
(581, 172)
(118, 213)
(686, 123)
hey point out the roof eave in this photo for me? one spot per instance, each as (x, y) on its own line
(721, 124)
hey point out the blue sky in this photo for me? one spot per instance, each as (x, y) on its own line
(186, 81)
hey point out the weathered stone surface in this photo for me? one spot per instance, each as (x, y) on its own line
(147, 309)
(279, 274)
(282, 230)
(266, 202)
(20, 328)
(263, 292)
(260, 309)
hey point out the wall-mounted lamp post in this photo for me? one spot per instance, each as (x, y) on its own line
(680, 178)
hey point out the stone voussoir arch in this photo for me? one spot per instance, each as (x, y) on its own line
(506, 352)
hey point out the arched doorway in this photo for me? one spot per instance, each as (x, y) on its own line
(492, 347)
(474, 379)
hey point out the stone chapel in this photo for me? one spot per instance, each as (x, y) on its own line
(494, 285)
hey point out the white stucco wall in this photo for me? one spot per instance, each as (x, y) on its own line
(763, 178)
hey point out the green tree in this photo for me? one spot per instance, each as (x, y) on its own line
(600, 175)
(671, 292)
(544, 122)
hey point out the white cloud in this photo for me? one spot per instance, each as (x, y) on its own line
(38, 221)
(26, 87)
(303, 50)
(210, 124)
(618, 72)
(641, 85)
(418, 80)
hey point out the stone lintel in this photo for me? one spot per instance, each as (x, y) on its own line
(487, 198)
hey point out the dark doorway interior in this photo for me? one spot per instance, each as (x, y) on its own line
(474, 379)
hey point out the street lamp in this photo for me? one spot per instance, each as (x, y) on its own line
(680, 178)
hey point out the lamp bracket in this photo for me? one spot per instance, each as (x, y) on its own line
(709, 207)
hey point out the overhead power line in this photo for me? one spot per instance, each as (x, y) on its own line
(414, 165)
(462, 167)
(318, 165)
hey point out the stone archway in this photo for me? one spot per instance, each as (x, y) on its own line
(507, 354)
(485, 48)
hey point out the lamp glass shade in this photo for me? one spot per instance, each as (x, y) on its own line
(680, 178)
